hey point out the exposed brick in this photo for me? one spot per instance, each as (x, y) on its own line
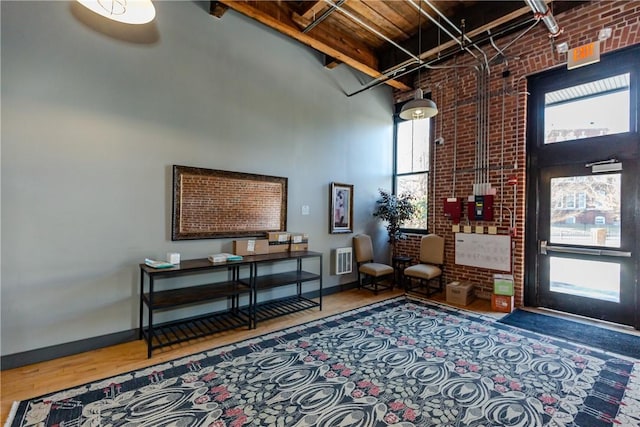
(580, 26)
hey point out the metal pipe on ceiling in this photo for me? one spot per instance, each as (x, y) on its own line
(542, 11)
(439, 25)
(373, 30)
(324, 16)
(454, 26)
(398, 71)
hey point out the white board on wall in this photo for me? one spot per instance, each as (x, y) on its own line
(491, 251)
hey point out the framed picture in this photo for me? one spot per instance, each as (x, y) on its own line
(213, 204)
(340, 208)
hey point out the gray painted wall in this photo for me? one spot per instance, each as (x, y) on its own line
(91, 126)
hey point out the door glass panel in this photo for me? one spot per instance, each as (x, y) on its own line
(585, 210)
(591, 279)
(592, 109)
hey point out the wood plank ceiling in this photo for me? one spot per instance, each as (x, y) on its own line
(384, 38)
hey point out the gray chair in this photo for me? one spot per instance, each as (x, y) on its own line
(371, 275)
(419, 278)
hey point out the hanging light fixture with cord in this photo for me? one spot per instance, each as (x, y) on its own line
(125, 11)
(419, 107)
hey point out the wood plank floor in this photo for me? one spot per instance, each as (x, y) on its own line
(46, 377)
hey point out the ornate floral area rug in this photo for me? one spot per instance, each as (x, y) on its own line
(400, 362)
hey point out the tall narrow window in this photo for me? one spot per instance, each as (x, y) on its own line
(412, 167)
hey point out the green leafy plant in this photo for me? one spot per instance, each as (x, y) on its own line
(395, 210)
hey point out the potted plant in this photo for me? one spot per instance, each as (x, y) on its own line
(395, 210)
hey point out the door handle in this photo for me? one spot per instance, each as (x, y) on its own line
(544, 248)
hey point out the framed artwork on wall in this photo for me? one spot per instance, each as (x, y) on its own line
(340, 208)
(213, 204)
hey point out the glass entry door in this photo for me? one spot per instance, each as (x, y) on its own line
(586, 233)
(583, 190)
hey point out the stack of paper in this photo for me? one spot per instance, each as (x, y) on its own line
(158, 264)
(224, 257)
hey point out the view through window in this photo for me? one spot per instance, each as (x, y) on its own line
(592, 109)
(412, 167)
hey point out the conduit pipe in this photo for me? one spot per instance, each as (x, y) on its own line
(401, 68)
(447, 32)
(324, 16)
(501, 51)
(455, 132)
(373, 30)
(542, 11)
(458, 30)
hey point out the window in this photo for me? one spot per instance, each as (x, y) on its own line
(582, 200)
(411, 173)
(596, 108)
(570, 201)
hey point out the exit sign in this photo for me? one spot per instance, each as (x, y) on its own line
(583, 55)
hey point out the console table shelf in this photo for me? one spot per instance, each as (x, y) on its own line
(187, 329)
(195, 294)
(230, 290)
(270, 281)
(275, 308)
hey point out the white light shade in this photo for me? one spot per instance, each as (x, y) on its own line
(125, 11)
(418, 108)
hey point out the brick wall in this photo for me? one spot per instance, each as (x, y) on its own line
(455, 92)
(212, 204)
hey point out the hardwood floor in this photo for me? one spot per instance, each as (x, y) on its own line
(46, 377)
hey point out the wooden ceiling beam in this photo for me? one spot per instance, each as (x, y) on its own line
(310, 9)
(339, 46)
(217, 9)
(478, 19)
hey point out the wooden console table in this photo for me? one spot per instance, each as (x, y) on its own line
(243, 279)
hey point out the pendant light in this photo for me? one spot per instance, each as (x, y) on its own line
(125, 11)
(419, 108)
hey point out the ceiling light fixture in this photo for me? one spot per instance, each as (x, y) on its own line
(419, 108)
(125, 11)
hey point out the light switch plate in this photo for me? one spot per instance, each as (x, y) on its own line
(305, 209)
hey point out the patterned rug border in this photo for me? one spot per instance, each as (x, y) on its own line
(286, 331)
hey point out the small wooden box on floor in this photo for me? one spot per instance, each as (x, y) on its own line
(460, 293)
(502, 303)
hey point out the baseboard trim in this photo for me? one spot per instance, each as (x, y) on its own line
(24, 358)
(29, 357)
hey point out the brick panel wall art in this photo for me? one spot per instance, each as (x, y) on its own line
(209, 204)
